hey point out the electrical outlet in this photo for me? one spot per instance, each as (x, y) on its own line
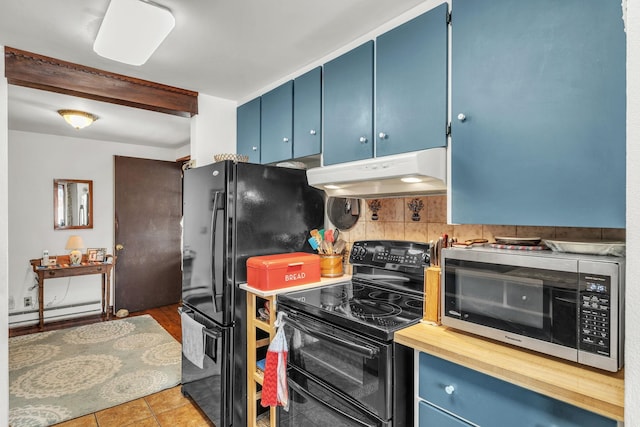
(28, 301)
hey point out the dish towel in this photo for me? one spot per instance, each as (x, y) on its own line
(192, 340)
(275, 390)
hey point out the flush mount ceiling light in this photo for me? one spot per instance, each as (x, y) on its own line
(78, 119)
(132, 30)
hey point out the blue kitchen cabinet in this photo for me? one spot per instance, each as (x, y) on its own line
(276, 124)
(411, 85)
(248, 130)
(483, 400)
(348, 106)
(307, 114)
(538, 113)
(429, 416)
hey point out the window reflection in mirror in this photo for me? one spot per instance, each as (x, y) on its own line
(72, 204)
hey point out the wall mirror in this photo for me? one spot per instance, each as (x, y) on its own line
(72, 204)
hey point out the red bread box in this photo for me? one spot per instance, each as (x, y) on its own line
(278, 271)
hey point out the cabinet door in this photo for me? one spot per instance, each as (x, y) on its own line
(277, 124)
(307, 114)
(248, 130)
(538, 113)
(433, 417)
(411, 85)
(485, 400)
(348, 106)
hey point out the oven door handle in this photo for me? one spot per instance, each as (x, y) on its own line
(306, 393)
(368, 352)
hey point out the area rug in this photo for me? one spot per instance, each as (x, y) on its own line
(59, 375)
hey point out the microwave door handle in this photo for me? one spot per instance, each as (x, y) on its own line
(306, 393)
(360, 349)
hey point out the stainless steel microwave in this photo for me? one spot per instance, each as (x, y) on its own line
(566, 305)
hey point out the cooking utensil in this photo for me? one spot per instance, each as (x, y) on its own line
(343, 213)
(339, 246)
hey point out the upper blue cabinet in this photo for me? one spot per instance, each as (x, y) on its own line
(276, 124)
(348, 106)
(307, 114)
(538, 113)
(411, 85)
(248, 130)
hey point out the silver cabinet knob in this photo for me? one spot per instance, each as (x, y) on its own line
(254, 148)
(449, 389)
(312, 132)
(462, 117)
(382, 135)
(285, 139)
(363, 139)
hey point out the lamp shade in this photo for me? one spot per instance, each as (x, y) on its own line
(74, 242)
(78, 119)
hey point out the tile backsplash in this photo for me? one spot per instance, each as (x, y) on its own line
(395, 222)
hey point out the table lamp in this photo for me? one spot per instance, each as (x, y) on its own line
(75, 244)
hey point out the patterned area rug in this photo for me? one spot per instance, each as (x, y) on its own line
(59, 375)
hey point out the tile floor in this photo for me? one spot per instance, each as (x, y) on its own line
(168, 408)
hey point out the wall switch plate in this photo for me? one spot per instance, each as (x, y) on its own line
(28, 301)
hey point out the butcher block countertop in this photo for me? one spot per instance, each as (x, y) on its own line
(324, 281)
(592, 389)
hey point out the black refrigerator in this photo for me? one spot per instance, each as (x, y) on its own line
(233, 211)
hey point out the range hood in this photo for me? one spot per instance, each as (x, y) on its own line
(416, 173)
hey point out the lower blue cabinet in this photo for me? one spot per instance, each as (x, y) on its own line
(487, 401)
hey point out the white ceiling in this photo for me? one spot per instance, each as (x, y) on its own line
(225, 48)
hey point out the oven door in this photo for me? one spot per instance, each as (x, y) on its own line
(312, 404)
(350, 364)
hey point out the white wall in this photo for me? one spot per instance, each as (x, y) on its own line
(35, 161)
(632, 352)
(213, 130)
(4, 246)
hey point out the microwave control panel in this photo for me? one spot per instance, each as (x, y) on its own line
(595, 314)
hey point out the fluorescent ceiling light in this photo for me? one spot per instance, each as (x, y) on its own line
(132, 30)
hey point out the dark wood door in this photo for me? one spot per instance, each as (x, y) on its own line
(148, 208)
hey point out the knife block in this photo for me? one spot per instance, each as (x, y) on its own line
(432, 295)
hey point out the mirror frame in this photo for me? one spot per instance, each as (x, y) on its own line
(56, 183)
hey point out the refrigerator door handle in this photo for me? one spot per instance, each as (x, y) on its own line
(212, 243)
(214, 334)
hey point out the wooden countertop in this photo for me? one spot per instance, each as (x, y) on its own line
(324, 281)
(592, 389)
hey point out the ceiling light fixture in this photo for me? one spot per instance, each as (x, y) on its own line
(132, 30)
(78, 119)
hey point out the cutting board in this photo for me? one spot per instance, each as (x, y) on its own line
(432, 295)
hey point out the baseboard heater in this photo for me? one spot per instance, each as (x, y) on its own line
(62, 312)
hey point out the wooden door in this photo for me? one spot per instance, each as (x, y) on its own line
(148, 208)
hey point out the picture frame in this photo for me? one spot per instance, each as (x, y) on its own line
(96, 254)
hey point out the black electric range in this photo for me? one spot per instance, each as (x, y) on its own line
(385, 293)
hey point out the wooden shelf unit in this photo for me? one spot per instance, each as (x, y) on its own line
(255, 377)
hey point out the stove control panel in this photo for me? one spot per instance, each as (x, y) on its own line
(390, 254)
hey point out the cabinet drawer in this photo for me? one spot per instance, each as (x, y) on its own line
(486, 400)
(433, 417)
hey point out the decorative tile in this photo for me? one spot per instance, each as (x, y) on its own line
(392, 210)
(419, 204)
(467, 232)
(531, 231)
(394, 231)
(437, 209)
(372, 209)
(614, 234)
(575, 233)
(415, 231)
(489, 232)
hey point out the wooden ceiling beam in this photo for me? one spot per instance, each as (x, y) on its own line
(41, 72)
